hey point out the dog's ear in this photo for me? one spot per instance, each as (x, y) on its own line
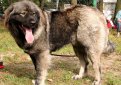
(7, 14)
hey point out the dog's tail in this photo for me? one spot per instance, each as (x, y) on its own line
(109, 48)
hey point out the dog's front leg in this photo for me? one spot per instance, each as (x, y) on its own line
(42, 64)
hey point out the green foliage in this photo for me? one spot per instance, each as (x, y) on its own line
(37, 2)
(6, 3)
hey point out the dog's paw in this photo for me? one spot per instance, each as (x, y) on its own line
(76, 77)
(96, 83)
(41, 83)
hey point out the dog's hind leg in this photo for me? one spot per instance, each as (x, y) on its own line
(42, 62)
(95, 59)
(82, 55)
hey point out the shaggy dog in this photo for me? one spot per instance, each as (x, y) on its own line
(38, 33)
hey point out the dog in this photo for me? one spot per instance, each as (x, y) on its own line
(39, 33)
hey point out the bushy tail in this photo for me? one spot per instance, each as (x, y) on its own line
(110, 47)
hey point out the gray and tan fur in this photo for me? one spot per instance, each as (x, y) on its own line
(82, 26)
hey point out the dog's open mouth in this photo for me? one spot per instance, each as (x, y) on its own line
(28, 34)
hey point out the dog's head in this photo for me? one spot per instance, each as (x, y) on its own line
(23, 17)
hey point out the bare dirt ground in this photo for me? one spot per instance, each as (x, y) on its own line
(109, 63)
(68, 65)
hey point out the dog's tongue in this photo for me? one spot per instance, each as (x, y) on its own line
(29, 36)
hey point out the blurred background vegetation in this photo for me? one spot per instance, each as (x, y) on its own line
(52, 4)
(5, 3)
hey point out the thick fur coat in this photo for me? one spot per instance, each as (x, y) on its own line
(38, 33)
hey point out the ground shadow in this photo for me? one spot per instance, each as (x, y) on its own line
(24, 69)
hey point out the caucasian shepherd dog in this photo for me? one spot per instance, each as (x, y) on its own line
(39, 33)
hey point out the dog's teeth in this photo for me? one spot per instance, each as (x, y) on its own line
(22, 26)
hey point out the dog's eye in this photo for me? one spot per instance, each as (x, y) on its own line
(33, 13)
(23, 13)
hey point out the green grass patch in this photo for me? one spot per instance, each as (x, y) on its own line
(11, 79)
(116, 40)
(7, 43)
(67, 49)
(112, 79)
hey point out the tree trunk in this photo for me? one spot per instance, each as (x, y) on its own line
(118, 5)
(10, 2)
(1, 8)
(100, 5)
(41, 4)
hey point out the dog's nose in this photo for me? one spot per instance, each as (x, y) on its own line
(32, 22)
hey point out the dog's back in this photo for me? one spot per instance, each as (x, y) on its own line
(92, 29)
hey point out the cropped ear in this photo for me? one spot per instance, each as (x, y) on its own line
(7, 14)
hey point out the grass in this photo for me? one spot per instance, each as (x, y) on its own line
(116, 40)
(19, 69)
(112, 80)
